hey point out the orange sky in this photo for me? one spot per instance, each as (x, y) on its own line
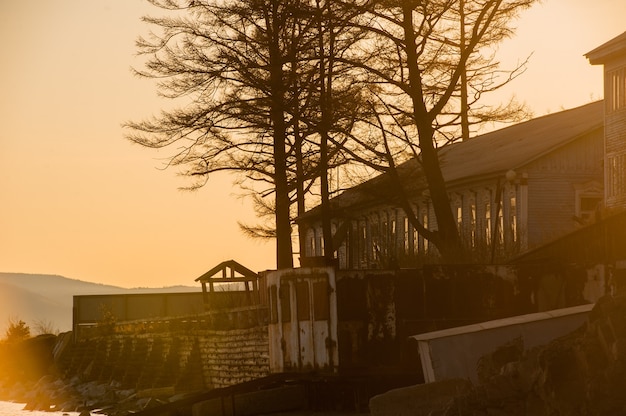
(79, 200)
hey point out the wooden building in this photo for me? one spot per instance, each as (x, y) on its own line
(543, 194)
(612, 55)
(511, 190)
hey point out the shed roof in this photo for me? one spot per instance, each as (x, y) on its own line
(223, 268)
(608, 50)
(493, 153)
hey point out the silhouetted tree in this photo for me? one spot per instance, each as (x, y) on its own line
(17, 331)
(256, 78)
(424, 60)
(267, 85)
(230, 60)
(42, 326)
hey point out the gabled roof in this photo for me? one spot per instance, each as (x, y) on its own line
(486, 155)
(608, 50)
(225, 273)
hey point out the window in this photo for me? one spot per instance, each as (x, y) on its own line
(513, 218)
(363, 246)
(313, 251)
(393, 237)
(589, 197)
(588, 206)
(384, 244)
(472, 224)
(615, 175)
(459, 219)
(488, 223)
(425, 223)
(500, 226)
(617, 89)
(406, 235)
(374, 233)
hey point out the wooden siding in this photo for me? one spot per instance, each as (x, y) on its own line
(552, 182)
(615, 139)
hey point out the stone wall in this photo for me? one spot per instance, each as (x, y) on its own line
(232, 357)
(186, 354)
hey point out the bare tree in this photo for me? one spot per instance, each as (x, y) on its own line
(42, 326)
(230, 62)
(424, 60)
(266, 85)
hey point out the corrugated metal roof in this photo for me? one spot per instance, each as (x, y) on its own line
(488, 154)
(517, 145)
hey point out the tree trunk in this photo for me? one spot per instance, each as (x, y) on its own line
(284, 251)
(446, 238)
(465, 133)
(325, 75)
(301, 207)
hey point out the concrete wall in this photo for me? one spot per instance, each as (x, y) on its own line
(456, 352)
(90, 309)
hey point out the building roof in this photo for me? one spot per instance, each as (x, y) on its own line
(517, 145)
(608, 50)
(486, 155)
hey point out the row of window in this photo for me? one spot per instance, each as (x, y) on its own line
(390, 235)
(492, 226)
(486, 221)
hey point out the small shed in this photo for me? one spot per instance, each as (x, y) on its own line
(229, 284)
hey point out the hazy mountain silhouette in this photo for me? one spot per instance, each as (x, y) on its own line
(47, 299)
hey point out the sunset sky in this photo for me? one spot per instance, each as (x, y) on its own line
(79, 200)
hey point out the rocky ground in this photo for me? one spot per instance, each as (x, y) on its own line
(29, 375)
(51, 393)
(54, 394)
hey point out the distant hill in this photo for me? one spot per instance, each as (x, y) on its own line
(48, 299)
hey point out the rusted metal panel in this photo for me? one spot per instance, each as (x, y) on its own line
(289, 326)
(305, 325)
(306, 353)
